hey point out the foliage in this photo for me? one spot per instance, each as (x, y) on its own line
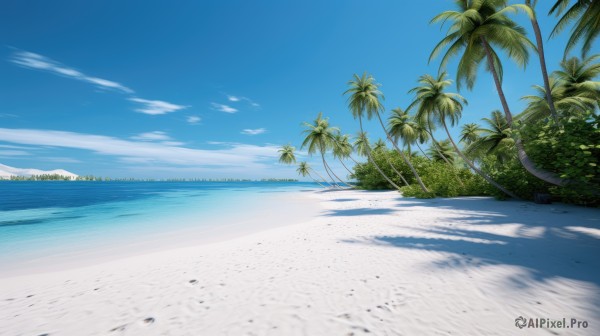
(435, 174)
(573, 152)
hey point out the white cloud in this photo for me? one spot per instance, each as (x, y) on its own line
(223, 108)
(256, 131)
(193, 119)
(231, 155)
(35, 61)
(233, 98)
(152, 136)
(155, 107)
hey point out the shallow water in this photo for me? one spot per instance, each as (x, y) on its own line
(39, 220)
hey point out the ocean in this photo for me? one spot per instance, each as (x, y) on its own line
(48, 223)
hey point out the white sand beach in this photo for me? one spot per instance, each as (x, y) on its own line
(370, 263)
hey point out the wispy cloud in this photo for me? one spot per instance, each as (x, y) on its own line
(35, 61)
(236, 99)
(237, 155)
(155, 107)
(152, 136)
(193, 119)
(257, 131)
(31, 60)
(223, 108)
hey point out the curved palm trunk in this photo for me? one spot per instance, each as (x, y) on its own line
(526, 162)
(477, 170)
(319, 183)
(397, 172)
(351, 158)
(373, 161)
(407, 161)
(437, 149)
(421, 149)
(327, 171)
(319, 175)
(540, 47)
(343, 164)
(337, 177)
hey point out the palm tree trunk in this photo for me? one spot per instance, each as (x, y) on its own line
(351, 158)
(397, 172)
(407, 161)
(327, 171)
(540, 47)
(319, 183)
(343, 164)
(373, 161)
(421, 149)
(477, 170)
(437, 148)
(337, 177)
(526, 162)
(319, 175)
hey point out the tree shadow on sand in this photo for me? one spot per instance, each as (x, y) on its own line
(547, 241)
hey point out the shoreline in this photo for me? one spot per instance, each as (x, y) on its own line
(369, 263)
(226, 227)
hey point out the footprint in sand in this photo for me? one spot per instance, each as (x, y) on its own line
(148, 321)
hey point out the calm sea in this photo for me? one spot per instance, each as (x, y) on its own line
(45, 221)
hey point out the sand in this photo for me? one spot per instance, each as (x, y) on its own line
(371, 263)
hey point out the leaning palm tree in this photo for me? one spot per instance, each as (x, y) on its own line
(495, 139)
(380, 146)
(365, 98)
(443, 152)
(363, 148)
(529, 9)
(587, 26)
(470, 133)
(577, 76)
(287, 155)
(402, 127)
(304, 171)
(342, 149)
(319, 137)
(434, 103)
(477, 28)
(538, 109)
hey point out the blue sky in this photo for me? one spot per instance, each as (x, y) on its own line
(210, 89)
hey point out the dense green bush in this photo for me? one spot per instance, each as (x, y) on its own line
(441, 180)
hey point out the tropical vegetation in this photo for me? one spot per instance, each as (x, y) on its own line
(550, 148)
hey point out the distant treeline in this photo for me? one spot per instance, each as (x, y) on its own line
(56, 177)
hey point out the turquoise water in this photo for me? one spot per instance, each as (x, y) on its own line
(41, 219)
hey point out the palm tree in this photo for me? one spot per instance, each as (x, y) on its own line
(470, 133)
(380, 146)
(587, 28)
(365, 97)
(443, 152)
(319, 137)
(529, 9)
(342, 149)
(422, 134)
(476, 29)
(363, 148)
(495, 140)
(434, 103)
(286, 154)
(402, 127)
(577, 77)
(304, 170)
(538, 109)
